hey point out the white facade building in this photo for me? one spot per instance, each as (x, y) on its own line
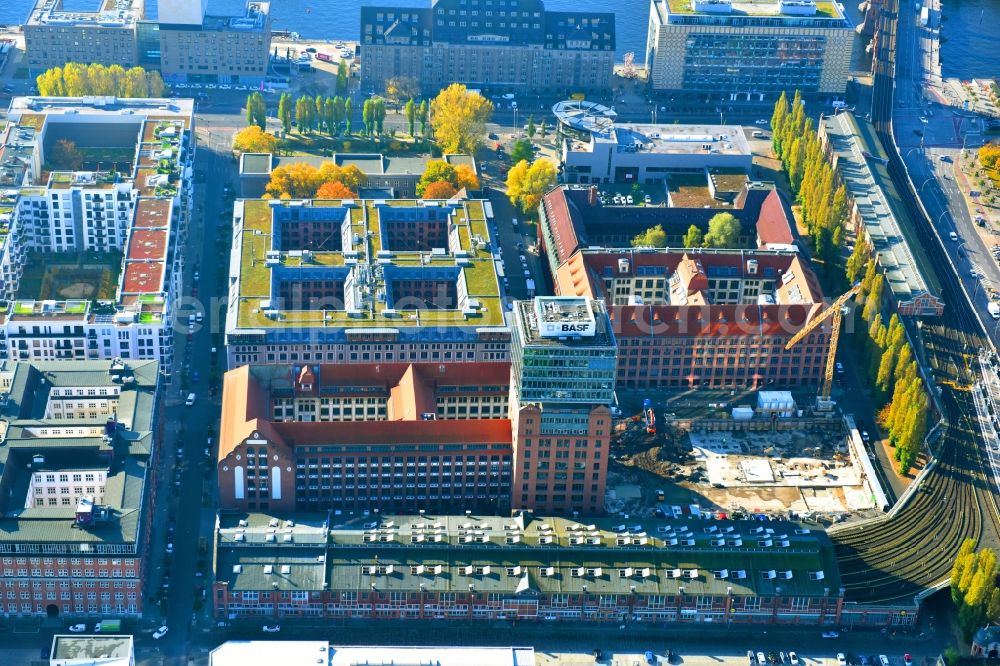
(138, 207)
(639, 153)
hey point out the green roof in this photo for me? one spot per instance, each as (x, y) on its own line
(258, 258)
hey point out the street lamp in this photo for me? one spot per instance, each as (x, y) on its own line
(514, 104)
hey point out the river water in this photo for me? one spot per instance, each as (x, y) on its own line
(970, 52)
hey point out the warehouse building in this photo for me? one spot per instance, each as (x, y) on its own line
(486, 568)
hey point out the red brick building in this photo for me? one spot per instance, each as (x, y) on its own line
(388, 436)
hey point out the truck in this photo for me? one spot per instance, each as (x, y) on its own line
(924, 17)
(325, 57)
(530, 284)
(994, 310)
(108, 627)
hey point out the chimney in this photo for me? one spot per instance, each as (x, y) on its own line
(592, 195)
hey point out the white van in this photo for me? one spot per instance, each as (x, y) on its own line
(994, 310)
(189, 400)
(757, 134)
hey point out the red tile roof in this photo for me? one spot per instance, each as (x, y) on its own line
(445, 431)
(712, 320)
(775, 222)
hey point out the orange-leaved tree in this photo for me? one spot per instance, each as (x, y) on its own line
(439, 189)
(334, 190)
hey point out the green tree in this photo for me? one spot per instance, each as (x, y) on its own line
(338, 114)
(410, 111)
(723, 231)
(521, 150)
(329, 116)
(285, 112)
(304, 113)
(341, 86)
(693, 237)
(777, 121)
(652, 237)
(256, 110)
(366, 116)
(65, 156)
(378, 115)
(531, 126)
(348, 114)
(422, 117)
(856, 262)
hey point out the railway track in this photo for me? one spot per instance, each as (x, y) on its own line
(894, 558)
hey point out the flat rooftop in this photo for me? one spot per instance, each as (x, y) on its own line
(675, 139)
(78, 650)
(568, 321)
(786, 9)
(309, 264)
(308, 653)
(862, 163)
(584, 116)
(100, 14)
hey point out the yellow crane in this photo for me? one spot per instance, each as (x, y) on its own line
(835, 310)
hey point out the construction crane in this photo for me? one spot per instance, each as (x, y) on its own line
(823, 401)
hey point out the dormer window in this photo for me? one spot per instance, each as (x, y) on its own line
(307, 387)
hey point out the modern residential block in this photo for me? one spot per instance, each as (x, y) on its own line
(733, 49)
(362, 281)
(76, 466)
(106, 230)
(515, 47)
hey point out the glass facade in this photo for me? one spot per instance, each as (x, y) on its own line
(148, 41)
(739, 62)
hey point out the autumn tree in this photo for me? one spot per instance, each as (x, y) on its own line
(76, 80)
(693, 237)
(527, 183)
(410, 111)
(65, 156)
(439, 189)
(458, 118)
(974, 592)
(299, 180)
(256, 110)
(652, 237)
(351, 176)
(254, 140)
(723, 231)
(989, 155)
(521, 150)
(335, 190)
(305, 114)
(466, 177)
(399, 88)
(435, 171)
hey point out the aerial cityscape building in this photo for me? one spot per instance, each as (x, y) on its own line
(518, 46)
(126, 212)
(748, 50)
(78, 460)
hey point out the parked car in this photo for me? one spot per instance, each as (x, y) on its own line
(830, 634)
(760, 122)
(907, 660)
(841, 659)
(160, 633)
(270, 628)
(78, 628)
(793, 659)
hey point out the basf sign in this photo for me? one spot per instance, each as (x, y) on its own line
(568, 329)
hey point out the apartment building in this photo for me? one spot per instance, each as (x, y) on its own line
(76, 461)
(104, 34)
(738, 49)
(364, 281)
(185, 44)
(517, 46)
(216, 49)
(128, 211)
(387, 436)
(484, 568)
